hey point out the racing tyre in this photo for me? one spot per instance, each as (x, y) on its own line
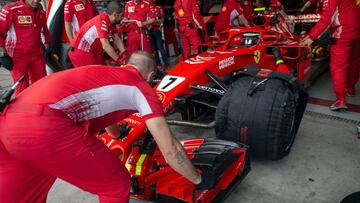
(262, 109)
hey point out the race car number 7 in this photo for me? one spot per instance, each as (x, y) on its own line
(169, 82)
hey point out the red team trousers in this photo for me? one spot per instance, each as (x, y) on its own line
(30, 163)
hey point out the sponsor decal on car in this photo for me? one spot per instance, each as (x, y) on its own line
(199, 59)
(161, 96)
(226, 62)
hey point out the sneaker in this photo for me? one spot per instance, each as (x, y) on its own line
(351, 92)
(338, 105)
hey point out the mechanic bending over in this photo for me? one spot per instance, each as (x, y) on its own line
(231, 15)
(343, 17)
(139, 36)
(93, 37)
(76, 14)
(49, 132)
(23, 23)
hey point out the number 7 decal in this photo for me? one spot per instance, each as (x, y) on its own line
(169, 82)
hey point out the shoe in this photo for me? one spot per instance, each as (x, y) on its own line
(338, 105)
(351, 92)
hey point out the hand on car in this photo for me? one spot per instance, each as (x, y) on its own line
(6, 61)
(306, 40)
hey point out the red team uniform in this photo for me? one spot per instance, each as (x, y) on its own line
(86, 46)
(24, 29)
(49, 132)
(138, 38)
(188, 17)
(78, 13)
(228, 16)
(343, 18)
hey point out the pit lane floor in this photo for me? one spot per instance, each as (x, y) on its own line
(323, 166)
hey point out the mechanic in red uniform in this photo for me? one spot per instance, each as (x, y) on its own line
(24, 25)
(60, 116)
(343, 17)
(319, 5)
(76, 14)
(93, 37)
(231, 15)
(139, 37)
(188, 18)
(157, 42)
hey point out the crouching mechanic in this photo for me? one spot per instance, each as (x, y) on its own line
(93, 38)
(49, 132)
(21, 52)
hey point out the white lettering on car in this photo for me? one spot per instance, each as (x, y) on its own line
(226, 62)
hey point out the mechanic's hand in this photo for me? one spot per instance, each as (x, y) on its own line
(207, 181)
(139, 23)
(6, 61)
(124, 129)
(48, 54)
(122, 58)
(306, 41)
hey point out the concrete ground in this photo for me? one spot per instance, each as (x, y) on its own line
(323, 166)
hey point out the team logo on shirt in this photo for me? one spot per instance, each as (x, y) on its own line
(142, 6)
(79, 7)
(223, 9)
(181, 12)
(24, 19)
(131, 9)
(257, 56)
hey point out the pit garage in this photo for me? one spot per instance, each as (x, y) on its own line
(300, 151)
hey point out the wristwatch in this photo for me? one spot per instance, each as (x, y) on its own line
(2, 53)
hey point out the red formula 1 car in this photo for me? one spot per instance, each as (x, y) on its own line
(193, 88)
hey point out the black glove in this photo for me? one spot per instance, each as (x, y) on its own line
(6, 61)
(124, 129)
(47, 54)
(208, 181)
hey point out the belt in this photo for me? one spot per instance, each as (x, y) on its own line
(35, 109)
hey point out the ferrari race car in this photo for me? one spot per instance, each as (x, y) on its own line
(193, 88)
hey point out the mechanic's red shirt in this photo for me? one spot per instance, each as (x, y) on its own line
(187, 11)
(228, 15)
(97, 94)
(137, 11)
(158, 12)
(24, 29)
(343, 17)
(88, 38)
(78, 13)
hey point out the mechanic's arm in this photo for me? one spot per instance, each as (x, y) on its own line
(325, 20)
(305, 6)
(243, 20)
(172, 149)
(108, 48)
(146, 23)
(119, 43)
(68, 30)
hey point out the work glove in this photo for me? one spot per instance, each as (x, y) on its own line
(124, 129)
(208, 181)
(6, 61)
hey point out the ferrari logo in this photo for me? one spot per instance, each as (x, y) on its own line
(181, 12)
(223, 9)
(257, 56)
(358, 2)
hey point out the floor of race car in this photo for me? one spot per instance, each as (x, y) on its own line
(323, 165)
